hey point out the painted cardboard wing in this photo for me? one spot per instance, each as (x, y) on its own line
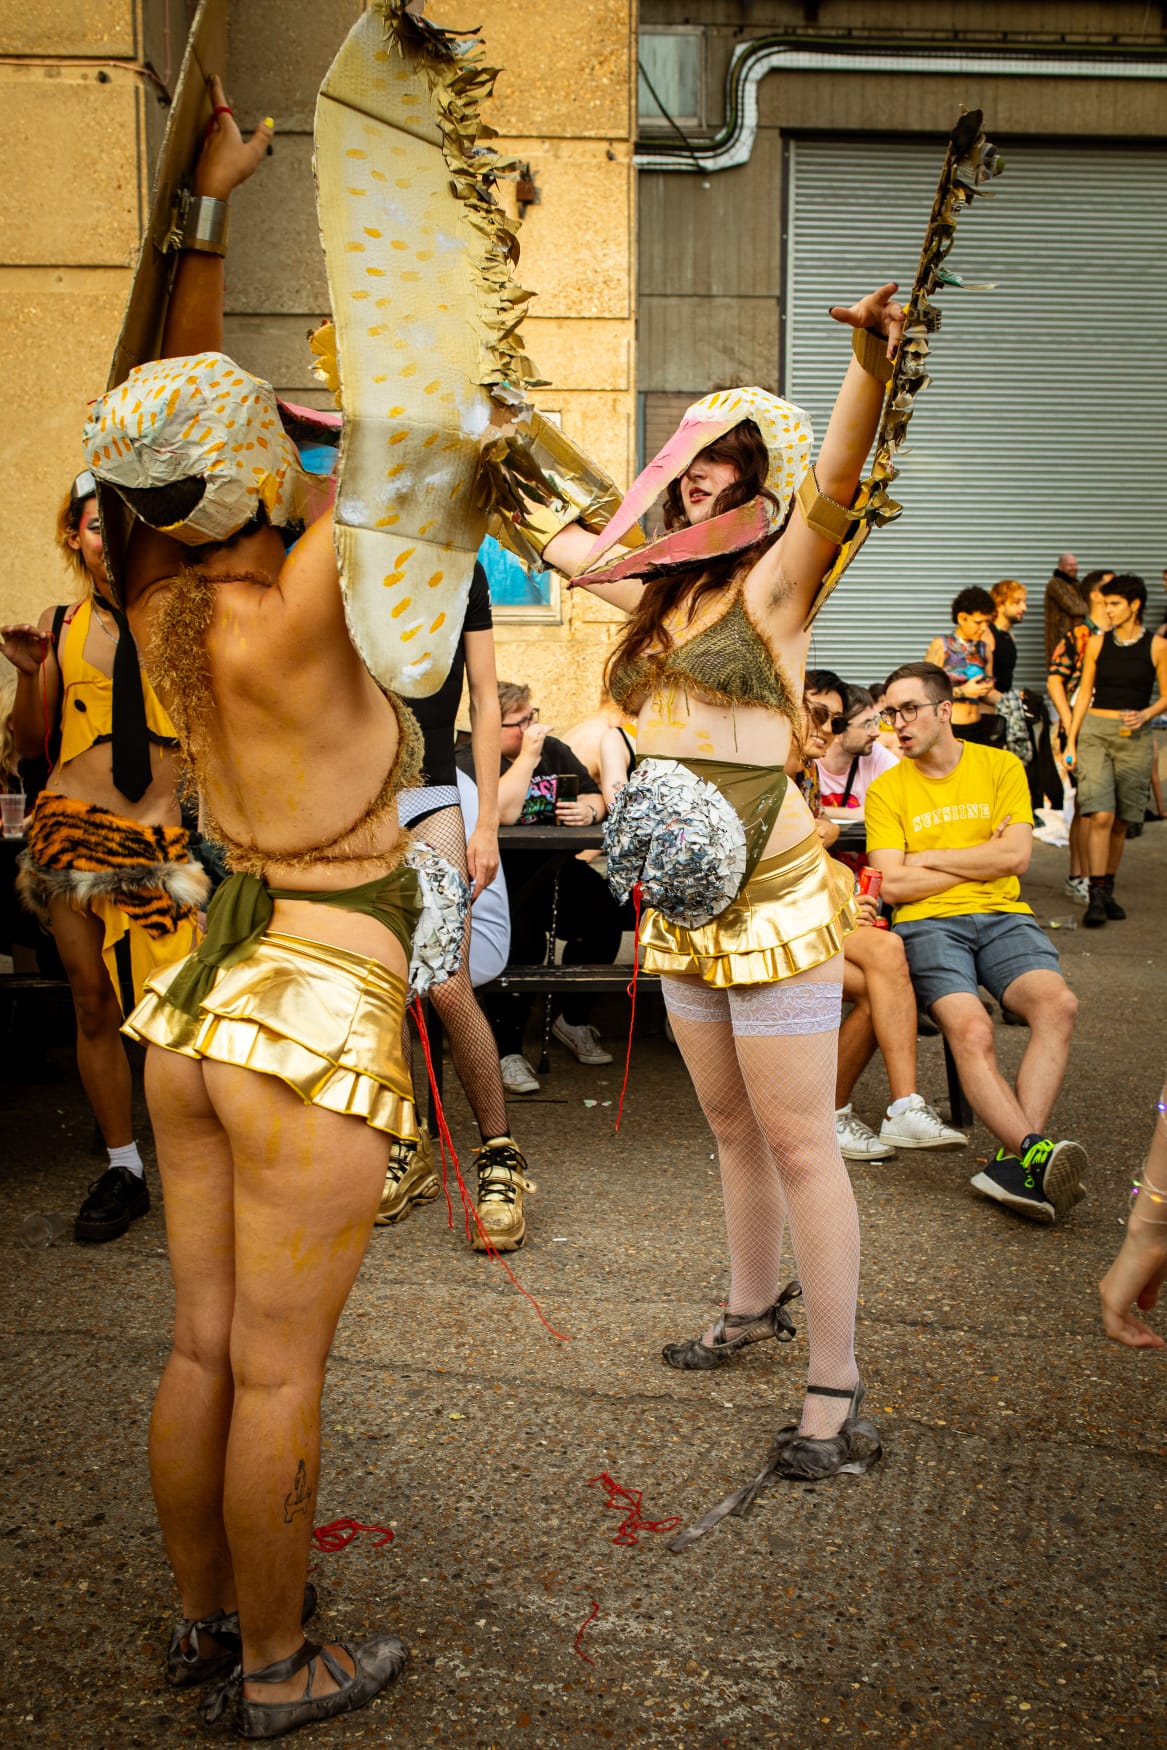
(426, 316)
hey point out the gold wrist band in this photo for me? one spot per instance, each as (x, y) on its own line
(535, 481)
(871, 351)
(824, 516)
(206, 223)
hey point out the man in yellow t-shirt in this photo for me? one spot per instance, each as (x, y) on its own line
(951, 830)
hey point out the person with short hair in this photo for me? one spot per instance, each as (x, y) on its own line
(951, 831)
(107, 860)
(1123, 688)
(1061, 685)
(966, 656)
(1065, 602)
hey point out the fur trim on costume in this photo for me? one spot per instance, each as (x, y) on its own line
(185, 884)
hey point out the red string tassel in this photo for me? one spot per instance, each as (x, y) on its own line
(446, 1141)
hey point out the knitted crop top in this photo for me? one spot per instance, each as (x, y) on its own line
(727, 663)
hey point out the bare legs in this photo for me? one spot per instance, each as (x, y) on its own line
(101, 1055)
(269, 1205)
(877, 982)
(1105, 843)
(776, 1055)
(1041, 998)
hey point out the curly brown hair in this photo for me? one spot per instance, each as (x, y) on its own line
(667, 587)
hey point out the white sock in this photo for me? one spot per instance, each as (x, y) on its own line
(129, 1158)
(898, 1106)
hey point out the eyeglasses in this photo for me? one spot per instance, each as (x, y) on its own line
(867, 724)
(908, 712)
(524, 722)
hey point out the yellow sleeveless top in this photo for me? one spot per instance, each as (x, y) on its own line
(87, 695)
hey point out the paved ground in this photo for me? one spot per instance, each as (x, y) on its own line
(998, 1580)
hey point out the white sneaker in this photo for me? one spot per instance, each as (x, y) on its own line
(918, 1126)
(517, 1075)
(857, 1141)
(582, 1041)
(1078, 888)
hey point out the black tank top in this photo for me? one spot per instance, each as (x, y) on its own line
(1125, 675)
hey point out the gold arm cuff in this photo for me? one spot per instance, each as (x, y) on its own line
(871, 351)
(535, 482)
(206, 224)
(824, 516)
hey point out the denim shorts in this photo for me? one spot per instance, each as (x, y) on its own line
(946, 955)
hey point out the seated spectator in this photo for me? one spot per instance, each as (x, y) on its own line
(588, 920)
(966, 657)
(883, 1004)
(585, 737)
(617, 759)
(887, 737)
(853, 759)
(951, 830)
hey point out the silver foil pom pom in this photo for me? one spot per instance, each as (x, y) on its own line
(445, 900)
(678, 836)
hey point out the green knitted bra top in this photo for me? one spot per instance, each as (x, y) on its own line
(728, 663)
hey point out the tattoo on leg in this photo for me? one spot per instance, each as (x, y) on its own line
(299, 1500)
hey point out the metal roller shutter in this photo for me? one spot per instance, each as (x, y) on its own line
(1045, 427)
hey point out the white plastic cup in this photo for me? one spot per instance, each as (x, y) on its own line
(12, 808)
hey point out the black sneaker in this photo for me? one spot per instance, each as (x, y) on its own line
(114, 1201)
(1111, 906)
(1095, 914)
(1007, 1180)
(1058, 1167)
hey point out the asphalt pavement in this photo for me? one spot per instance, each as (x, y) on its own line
(998, 1579)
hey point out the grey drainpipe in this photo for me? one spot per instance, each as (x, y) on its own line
(753, 60)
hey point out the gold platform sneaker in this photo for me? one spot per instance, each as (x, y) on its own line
(409, 1179)
(502, 1180)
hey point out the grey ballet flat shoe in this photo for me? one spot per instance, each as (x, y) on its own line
(375, 1665)
(801, 1458)
(196, 1663)
(734, 1332)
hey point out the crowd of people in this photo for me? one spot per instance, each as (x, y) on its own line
(275, 1014)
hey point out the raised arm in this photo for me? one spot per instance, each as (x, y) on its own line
(801, 557)
(485, 740)
(194, 318)
(38, 683)
(568, 550)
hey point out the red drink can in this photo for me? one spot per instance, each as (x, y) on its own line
(870, 881)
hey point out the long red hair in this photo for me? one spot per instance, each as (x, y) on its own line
(667, 587)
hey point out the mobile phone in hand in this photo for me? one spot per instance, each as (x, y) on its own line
(568, 789)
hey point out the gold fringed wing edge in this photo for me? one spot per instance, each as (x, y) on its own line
(426, 315)
(970, 164)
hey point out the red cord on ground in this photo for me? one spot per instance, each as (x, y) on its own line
(590, 1617)
(445, 1140)
(632, 1521)
(636, 899)
(339, 1533)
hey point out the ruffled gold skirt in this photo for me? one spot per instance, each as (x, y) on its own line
(326, 1022)
(793, 913)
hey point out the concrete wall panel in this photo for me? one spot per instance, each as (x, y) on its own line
(715, 342)
(67, 322)
(717, 236)
(912, 103)
(71, 169)
(577, 244)
(278, 53)
(69, 27)
(580, 354)
(275, 265)
(568, 69)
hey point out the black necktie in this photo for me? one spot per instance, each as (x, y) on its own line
(131, 743)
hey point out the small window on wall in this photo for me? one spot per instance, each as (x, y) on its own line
(517, 591)
(671, 84)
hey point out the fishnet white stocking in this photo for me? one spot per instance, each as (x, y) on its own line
(755, 1212)
(784, 1158)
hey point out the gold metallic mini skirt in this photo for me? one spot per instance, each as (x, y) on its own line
(326, 1022)
(793, 913)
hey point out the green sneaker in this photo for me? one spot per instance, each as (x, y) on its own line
(1009, 1181)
